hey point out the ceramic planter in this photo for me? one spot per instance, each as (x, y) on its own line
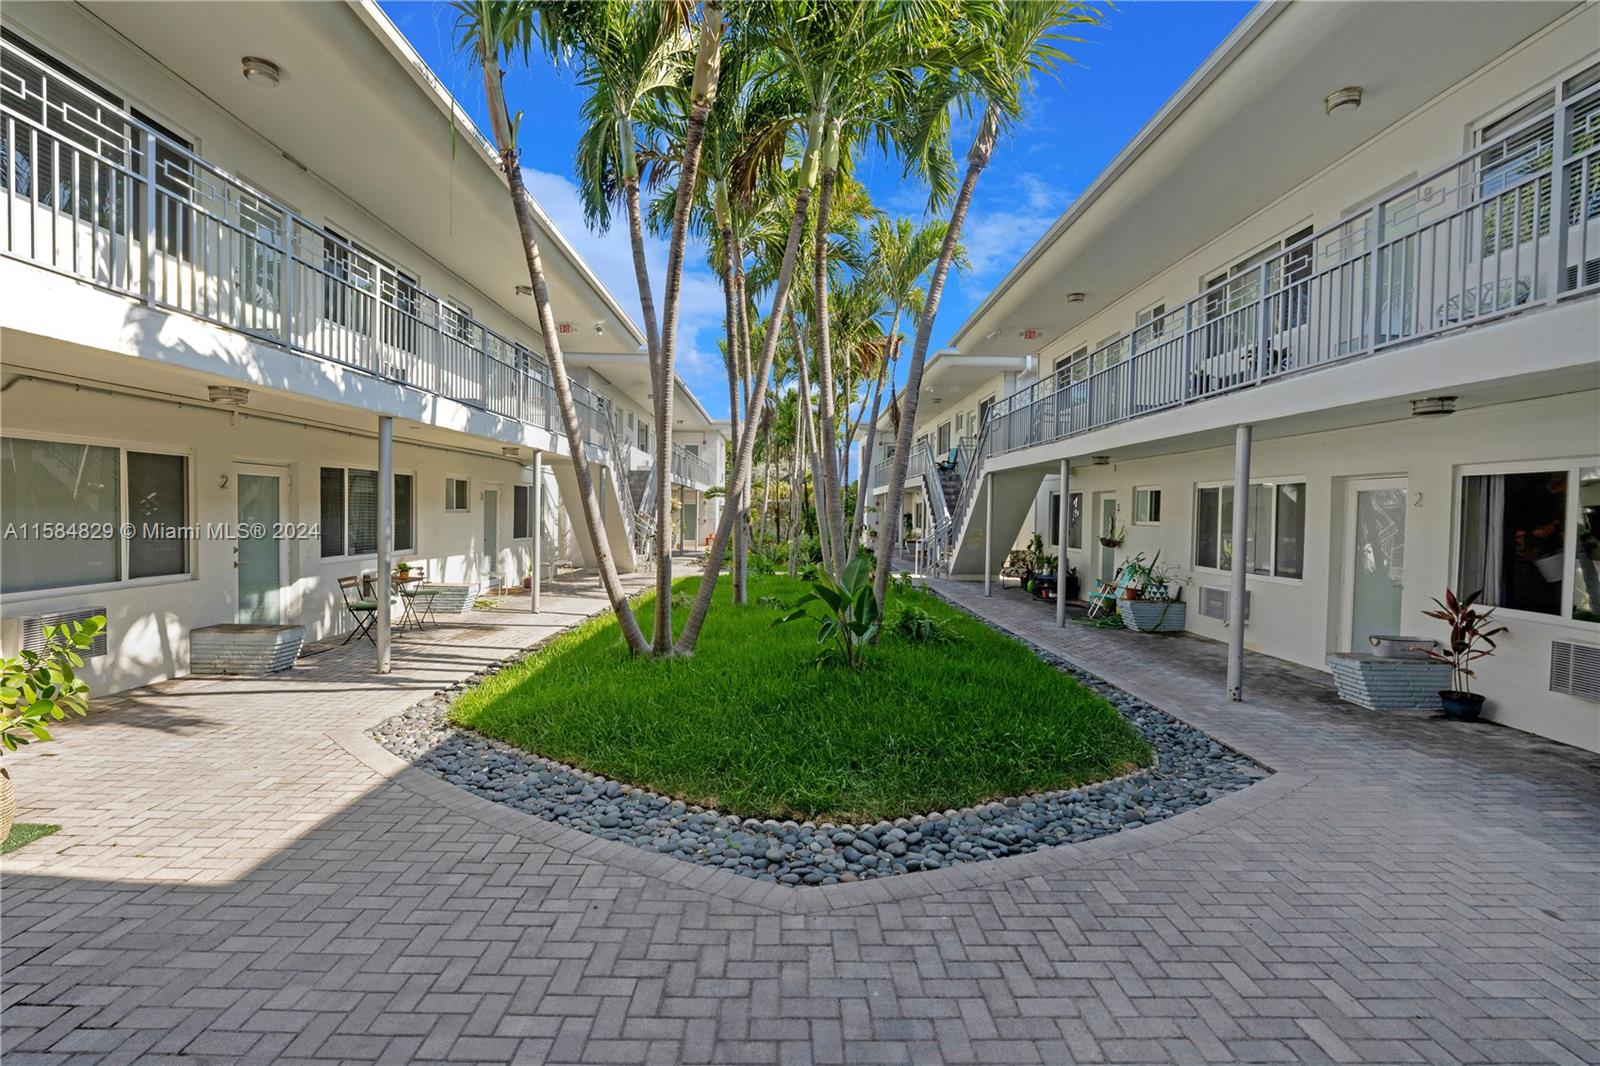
(1462, 706)
(1153, 616)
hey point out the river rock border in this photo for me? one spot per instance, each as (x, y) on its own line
(1191, 770)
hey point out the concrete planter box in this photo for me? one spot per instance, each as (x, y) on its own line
(1153, 616)
(1381, 683)
(451, 599)
(244, 649)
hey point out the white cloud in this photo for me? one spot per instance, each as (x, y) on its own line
(997, 238)
(610, 256)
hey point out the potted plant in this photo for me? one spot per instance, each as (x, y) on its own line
(402, 569)
(39, 687)
(1471, 639)
(1112, 537)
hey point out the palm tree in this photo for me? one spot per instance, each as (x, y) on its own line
(901, 254)
(491, 31)
(992, 62)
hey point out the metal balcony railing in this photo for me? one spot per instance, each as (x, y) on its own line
(1508, 228)
(93, 192)
(689, 468)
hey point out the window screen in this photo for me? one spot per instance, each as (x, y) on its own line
(158, 498)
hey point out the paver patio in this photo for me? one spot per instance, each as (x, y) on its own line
(243, 877)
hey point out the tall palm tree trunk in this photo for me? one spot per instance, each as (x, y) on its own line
(731, 321)
(885, 369)
(814, 445)
(794, 506)
(703, 93)
(747, 439)
(830, 509)
(520, 200)
(741, 548)
(889, 521)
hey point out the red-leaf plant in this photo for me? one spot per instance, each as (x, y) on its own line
(1470, 637)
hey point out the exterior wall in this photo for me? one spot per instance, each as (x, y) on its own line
(1302, 620)
(1428, 138)
(149, 619)
(66, 31)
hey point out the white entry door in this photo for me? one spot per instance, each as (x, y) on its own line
(1107, 512)
(260, 553)
(1375, 572)
(491, 530)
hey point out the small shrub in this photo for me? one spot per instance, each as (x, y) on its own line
(681, 600)
(853, 619)
(39, 687)
(774, 602)
(920, 627)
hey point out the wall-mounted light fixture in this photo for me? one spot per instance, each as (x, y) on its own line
(1339, 99)
(1433, 406)
(228, 395)
(1101, 460)
(261, 71)
(1074, 297)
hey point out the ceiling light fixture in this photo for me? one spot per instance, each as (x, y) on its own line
(1349, 96)
(1074, 297)
(524, 290)
(1433, 406)
(261, 71)
(993, 334)
(1102, 460)
(511, 452)
(228, 395)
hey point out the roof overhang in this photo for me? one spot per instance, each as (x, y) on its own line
(359, 109)
(1248, 126)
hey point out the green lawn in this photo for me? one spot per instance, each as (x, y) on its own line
(25, 833)
(752, 726)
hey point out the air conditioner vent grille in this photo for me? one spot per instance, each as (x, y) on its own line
(33, 629)
(1214, 603)
(1575, 669)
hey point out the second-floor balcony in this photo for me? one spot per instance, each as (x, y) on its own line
(1511, 227)
(94, 192)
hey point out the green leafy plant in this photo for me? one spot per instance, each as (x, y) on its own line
(853, 618)
(901, 582)
(38, 687)
(920, 627)
(1470, 637)
(774, 602)
(484, 603)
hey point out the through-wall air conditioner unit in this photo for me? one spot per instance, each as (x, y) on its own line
(1575, 669)
(1214, 604)
(33, 629)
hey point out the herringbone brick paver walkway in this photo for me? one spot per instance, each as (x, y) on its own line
(243, 878)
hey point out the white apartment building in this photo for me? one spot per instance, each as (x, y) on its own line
(1370, 233)
(240, 239)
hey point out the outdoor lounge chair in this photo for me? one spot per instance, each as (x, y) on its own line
(1107, 593)
(363, 610)
(949, 461)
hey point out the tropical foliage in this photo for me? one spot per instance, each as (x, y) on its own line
(38, 687)
(1471, 636)
(740, 124)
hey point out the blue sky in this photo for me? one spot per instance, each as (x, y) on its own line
(1127, 68)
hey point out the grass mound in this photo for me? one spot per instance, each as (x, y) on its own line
(752, 726)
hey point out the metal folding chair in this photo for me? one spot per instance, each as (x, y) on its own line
(363, 610)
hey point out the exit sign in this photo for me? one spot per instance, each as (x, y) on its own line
(1031, 334)
(564, 327)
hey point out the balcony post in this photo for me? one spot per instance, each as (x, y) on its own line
(536, 521)
(147, 174)
(383, 586)
(1062, 512)
(1263, 318)
(1127, 384)
(1185, 381)
(1373, 287)
(286, 285)
(1560, 210)
(988, 532)
(1241, 532)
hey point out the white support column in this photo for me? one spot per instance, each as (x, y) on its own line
(988, 531)
(536, 521)
(1236, 594)
(383, 585)
(1062, 511)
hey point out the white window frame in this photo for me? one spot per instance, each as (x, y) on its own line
(410, 549)
(123, 447)
(1147, 490)
(1225, 525)
(1570, 531)
(1153, 316)
(449, 496)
